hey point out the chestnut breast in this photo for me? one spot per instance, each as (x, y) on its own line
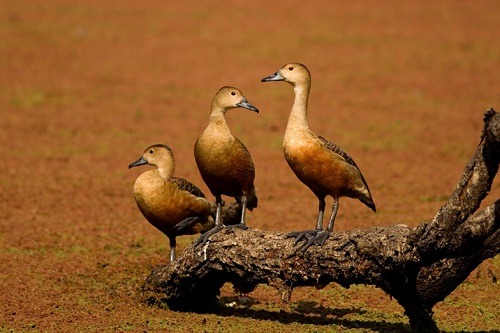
(225, 165)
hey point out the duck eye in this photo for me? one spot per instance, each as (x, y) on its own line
(290, 68)
(233, 93)
(151, 151)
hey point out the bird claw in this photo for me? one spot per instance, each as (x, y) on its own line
(319, 239)
(185, 223)
(204, 238)
(299, 235)
(239, 226)
(312, 237)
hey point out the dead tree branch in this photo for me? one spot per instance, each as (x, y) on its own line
(418, 267)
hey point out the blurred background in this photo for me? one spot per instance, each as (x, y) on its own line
(85, 87)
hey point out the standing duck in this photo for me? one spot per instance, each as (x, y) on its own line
(223, 160)
(320, 164)
(173, 205)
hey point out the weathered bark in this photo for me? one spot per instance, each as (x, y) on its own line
(418, 267)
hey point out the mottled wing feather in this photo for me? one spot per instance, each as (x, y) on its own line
(337, 150)
(187, 186)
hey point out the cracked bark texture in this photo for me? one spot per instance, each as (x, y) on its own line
(417, 266)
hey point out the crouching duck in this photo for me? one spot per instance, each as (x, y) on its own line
(173, 205)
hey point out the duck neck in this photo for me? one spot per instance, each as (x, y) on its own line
(166, 170)
(218, 121)
(298, 116)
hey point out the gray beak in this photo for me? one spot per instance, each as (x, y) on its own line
(140, 161)
(275, 77)
(245, 104)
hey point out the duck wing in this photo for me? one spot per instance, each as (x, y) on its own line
(187, 186)
(337, 150)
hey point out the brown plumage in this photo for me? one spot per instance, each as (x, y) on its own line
(173, 205)
(320, 164)
(223, 160)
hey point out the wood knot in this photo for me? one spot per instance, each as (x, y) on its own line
(491, 128)
(489, 114)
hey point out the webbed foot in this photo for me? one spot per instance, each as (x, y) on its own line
(187, 222)
(319, 239)
(204, 238)
(299, 235)
(239, 226)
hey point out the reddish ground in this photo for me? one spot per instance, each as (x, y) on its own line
(85, 87)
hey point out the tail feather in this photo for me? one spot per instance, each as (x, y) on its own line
(369, 203)
(252, 201)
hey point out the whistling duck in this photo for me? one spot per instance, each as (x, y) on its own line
(223, 160)
(320, 164)
(173, 205)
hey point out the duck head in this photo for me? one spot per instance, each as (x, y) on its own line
(228, 98)
(159, 156)
(294, 73)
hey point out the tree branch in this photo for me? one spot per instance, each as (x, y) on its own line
(438, 280)
(418, 267)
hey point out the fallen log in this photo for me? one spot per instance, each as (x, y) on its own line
(416, 266)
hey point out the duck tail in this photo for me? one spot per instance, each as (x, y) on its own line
(369, 203)
(252, 200)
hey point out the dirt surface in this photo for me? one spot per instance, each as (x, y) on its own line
(85, 87)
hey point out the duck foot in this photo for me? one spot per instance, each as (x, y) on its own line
(204, 238)
(312, 237)
(239, 226)
(319, 239)
(187, 222)
(300, 235)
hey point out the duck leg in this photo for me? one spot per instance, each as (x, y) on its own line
(322, 236)
(310, 234)
(242, 224)
(218, 211)
(243, 209)
(173, 243)
(335, 208)
(217, 227)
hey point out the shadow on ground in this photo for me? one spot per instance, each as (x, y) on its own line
(310, 312)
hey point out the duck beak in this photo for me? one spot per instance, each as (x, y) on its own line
(245, 104)
(140, 161)
(275, 77)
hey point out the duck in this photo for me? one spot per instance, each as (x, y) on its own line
(171, 204)
(324, 167)
(224, 162)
